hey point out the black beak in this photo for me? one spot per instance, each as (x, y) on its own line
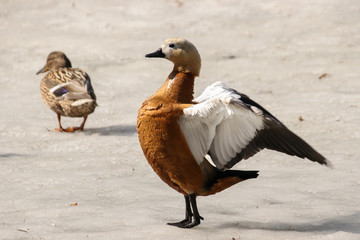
(157, 54)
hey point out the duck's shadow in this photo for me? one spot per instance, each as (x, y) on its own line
(11, 155)
(348, 223)
(115, 130)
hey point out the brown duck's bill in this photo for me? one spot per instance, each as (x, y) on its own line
(44, 69)
(157, 54)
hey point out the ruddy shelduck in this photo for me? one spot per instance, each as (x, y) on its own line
(66, 90)
(176, 132)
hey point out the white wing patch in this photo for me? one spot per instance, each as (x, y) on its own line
(219, 124)
(81, 102)
(233, 134)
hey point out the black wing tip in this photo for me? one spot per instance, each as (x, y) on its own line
(327, 163)
(315, 156)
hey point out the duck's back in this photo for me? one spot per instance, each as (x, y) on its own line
(68, 92)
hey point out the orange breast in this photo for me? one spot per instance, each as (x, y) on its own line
(165, 146)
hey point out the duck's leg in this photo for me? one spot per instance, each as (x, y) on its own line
(83, 124)
(190, 202)
(188, 215)
(73, 129)
(195, 211)
(60, 129)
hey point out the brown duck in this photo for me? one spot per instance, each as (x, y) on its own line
(176, 132)
(66, 90)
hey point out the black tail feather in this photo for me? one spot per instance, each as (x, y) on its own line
(239, 173)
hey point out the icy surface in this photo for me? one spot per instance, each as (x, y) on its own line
(298, 59)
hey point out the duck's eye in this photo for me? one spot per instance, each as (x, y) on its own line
(171, 45)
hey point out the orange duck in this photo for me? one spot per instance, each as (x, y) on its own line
(176, 132)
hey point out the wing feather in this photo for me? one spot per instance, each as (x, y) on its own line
(71, 84)
(230, 127)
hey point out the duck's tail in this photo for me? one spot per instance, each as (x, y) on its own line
(226, 179)
(243, 175)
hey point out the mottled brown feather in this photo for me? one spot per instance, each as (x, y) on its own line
(65, 107)
(61, 72)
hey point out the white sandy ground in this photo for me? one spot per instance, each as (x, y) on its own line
(274, 51)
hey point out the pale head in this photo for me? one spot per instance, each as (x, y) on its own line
(54, 61)
(182, 53)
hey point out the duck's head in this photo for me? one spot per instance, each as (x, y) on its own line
(182, 53)
(54, 61)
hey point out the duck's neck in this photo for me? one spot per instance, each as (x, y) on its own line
(179, 87)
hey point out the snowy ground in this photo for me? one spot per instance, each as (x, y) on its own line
(296, 58)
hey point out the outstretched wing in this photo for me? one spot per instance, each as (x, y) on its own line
(230, 127)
